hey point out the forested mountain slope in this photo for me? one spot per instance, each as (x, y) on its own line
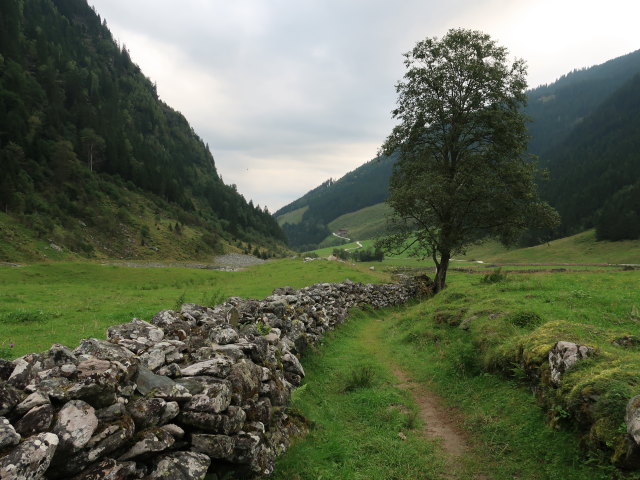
(583, 129)
(364, 186)
(80, 124)
(595, 171)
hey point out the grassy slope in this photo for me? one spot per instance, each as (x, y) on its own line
(294, 217)
(580, 248)
(363, 224)
(65, 302)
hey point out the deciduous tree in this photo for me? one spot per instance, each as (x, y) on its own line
(462, 174)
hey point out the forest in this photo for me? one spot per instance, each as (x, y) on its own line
(80, 124)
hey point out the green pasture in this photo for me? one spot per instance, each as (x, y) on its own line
(64, 302)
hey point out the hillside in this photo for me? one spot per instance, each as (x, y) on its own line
(599, 159)
(584, 130)
(86, 145)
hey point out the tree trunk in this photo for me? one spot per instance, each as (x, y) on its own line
(441, 272)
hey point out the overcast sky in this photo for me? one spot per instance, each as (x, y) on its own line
(288, 93)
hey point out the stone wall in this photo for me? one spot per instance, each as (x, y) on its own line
(203, 389)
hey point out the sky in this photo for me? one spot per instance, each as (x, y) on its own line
(290, 93)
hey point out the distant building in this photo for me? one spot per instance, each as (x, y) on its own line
(343, 232)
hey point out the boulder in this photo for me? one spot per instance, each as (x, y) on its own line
(30, 459)
(108, 469)
(8, 435)
(149, 441)
(36, 420)
(563, 356)
(180, 466)
(75, 425)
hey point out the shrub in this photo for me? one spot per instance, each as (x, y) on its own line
(494, 277)
(525, 319)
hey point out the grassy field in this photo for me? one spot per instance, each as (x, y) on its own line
(480, 374)
(65, 302)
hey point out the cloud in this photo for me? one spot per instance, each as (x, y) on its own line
(288, 93)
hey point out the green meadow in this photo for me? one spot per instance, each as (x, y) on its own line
(63, 303)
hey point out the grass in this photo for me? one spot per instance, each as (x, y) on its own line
(480, 375)
(65, 302)
(294, 217)
(510, 327)
(355, 411)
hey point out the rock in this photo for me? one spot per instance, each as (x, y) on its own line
(160, 386)
(632, 418)
(218, 367)
(563, 356)
(9, 397)
(150, 412)
(150, 441)
(30, 459)
(246, 380)
(214, 446)
(108, 469)
(36, 420)
(214, 402)
(57, 356)
(103, 350)
(75, 425)
(110, 437)
(180, 466)
(224, 336)
(6, 367)
(8, 435)
(173, 430)
(227, 423)
(36, 399)
(25, 370)
(137, 335)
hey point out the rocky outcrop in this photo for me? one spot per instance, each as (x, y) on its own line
(189, 392)
(563, 356)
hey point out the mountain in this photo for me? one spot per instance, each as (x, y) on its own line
(83, 134)
(365, 186)
(584, 129)
(595, 170)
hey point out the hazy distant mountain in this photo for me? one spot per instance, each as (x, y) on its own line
(80, 126)
(584, 129)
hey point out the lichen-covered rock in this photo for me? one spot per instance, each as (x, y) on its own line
(36, 399)
(632, 418)
(75, 425)
(30, 459)
(136, 335)
(215, 446)
(180, 466)
(149, 441)
(9, 397)
(563, 356)
(224, 335)
(36, 420)
(148, 383)
(108, 469)
(110, 437)
(150, 412)
(25, 370)
(92, 347)
(217, 399)
(8, 435)
(228, 423)
(218, 367)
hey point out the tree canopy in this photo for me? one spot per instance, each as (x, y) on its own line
(462, 174)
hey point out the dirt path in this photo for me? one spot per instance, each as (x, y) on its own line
(438, 421)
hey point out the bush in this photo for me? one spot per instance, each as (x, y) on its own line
(494, 277)
(525, 319)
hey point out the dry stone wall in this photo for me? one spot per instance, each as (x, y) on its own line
(202, 389)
